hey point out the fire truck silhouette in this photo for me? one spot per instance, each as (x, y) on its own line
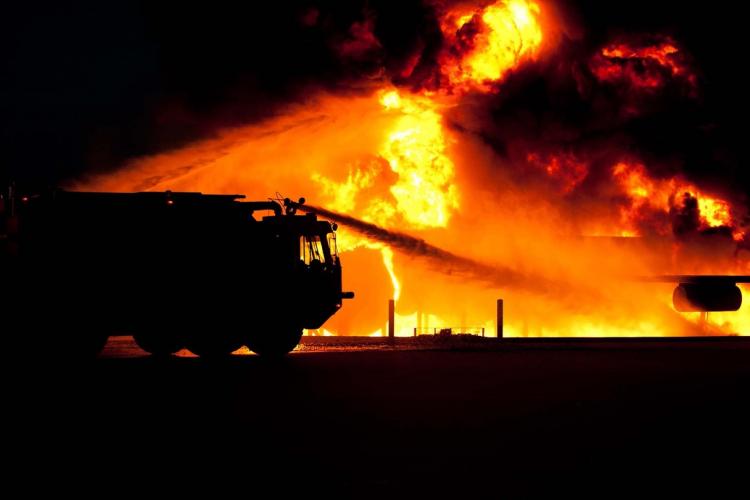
(175, 270)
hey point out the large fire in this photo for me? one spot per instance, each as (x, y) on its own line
(647, 195)
(415, 151)
(407, 161)
(488, 42)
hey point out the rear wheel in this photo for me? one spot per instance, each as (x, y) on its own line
(274, 343)
(162, 343)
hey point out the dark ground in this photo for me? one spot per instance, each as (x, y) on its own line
(637, 419)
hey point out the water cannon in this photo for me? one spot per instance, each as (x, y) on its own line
(291, 207)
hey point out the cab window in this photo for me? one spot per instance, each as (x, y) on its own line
(311, 249)
(332, 246)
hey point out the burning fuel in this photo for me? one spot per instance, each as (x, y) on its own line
(527, 159)
(484, 43)
(682, 206)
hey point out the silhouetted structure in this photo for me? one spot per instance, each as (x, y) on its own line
(391, 318)
(500, 318)
(174, 269)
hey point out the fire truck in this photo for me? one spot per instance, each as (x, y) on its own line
(206, 272)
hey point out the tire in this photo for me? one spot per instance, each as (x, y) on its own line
(163, 343)
(275, 343)
(217, 346)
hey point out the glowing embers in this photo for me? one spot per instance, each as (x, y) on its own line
(488, 42)
(649, 198)
(642, 65)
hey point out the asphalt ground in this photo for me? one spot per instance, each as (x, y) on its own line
(368, 418)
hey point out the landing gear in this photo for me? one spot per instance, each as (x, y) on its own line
(274, 343)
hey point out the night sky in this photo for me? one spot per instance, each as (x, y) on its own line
(87, 86)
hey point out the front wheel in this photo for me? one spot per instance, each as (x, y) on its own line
(274, 343)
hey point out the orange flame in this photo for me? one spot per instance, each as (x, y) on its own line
(495, 38)
(388, 263)
(662, 195)
(643, 67)
(415, 150)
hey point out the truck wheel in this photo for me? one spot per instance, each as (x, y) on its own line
(274, 343)
(163, 343)
(213, 347)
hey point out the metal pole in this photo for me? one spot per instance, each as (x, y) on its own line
(391, 318)
(499, 318)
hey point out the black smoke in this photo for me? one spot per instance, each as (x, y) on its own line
(87, 85)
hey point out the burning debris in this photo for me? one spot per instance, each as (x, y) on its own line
(508, 144)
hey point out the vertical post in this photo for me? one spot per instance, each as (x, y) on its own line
(703, 322)
(391, 317)
(500, 318)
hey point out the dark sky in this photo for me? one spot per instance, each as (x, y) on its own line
(85, 86)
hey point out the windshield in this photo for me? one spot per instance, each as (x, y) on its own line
(311, 250)
(332, 246)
